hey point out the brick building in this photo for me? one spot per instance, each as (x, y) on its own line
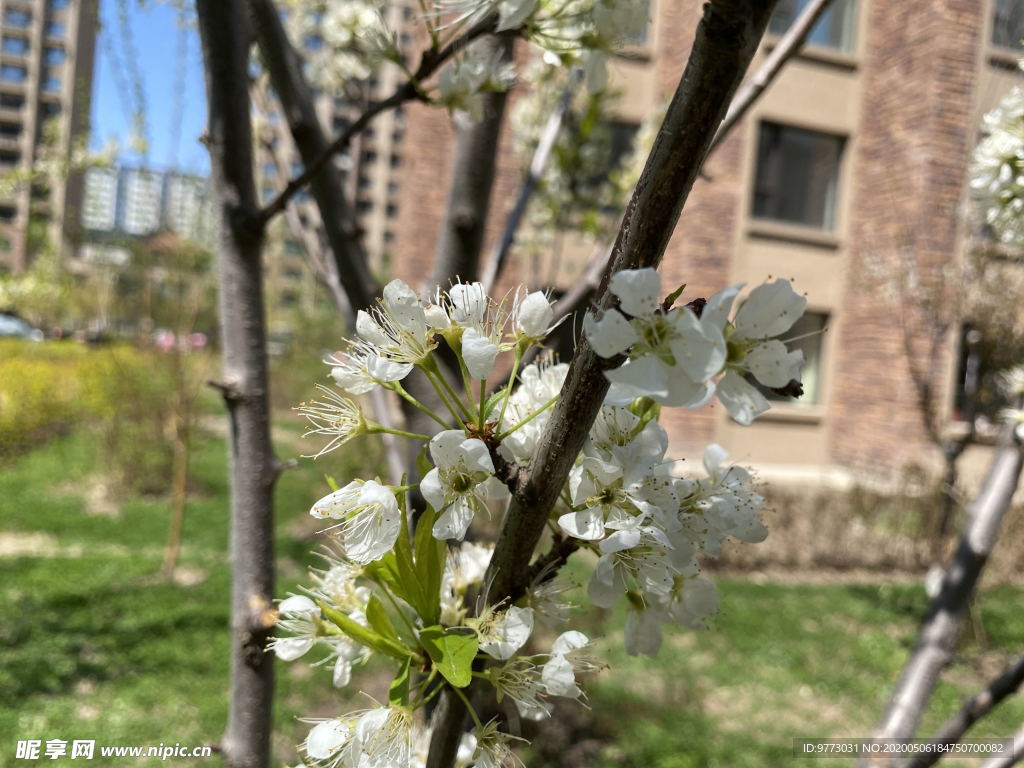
(861, 145)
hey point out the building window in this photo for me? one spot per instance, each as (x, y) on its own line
(10, 130)
(11, 101)
(59, 5)
(17, 46)
(808, 335)
(17, 19)
(11, 73)
(54, 56)
(51, 109)
(1008, 24)
(834, 29)
(8, 158)
(797, 175)
(51, 84)
(55, 29)
(7, 213)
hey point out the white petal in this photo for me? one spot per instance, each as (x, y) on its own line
(476, 455)
(770, 309)
(479, 353)
(569, 641)
(534, 316)
(469, 303)
(642, 633)
(491, 488)
(683, 393)
(437, 317)
(611, 335)
(383, 369)
(291, 648)
(700, 597)
(342, 672)
(587, 524)
(773, 365)
(700, 348)
(638, 291)
(337, 503)
(326, 738)
(454, 521)
(354, 382)
(606, 584)
(741, 398)
(511, 631)
(432, 489)
(369, 329)
(298, 605)
(716, 311)
(446, 447)
(646, 376)
(513, 13)
(714, 456)
(558, 677)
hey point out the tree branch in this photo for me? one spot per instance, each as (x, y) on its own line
(499, 253)
(788, 46)
(940, 627)
(726, 40)
(975, 708)
(1015, 756)
(410, 90)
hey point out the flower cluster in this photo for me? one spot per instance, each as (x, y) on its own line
(413, 587)
(997, 171)
(676, 355)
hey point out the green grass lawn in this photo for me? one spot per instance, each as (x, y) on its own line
(96, 645)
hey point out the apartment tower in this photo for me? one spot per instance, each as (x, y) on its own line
(47, 50)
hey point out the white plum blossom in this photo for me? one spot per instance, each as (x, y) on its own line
(300, 616)
(532, 316)
(640, 555)
(463, 81)
(370, 518)
(461, 482)
(568, 656)
(997, 169)
(505, 632)
(539, 384)
(338, 417)
(397, 329)
(520, 680)
(463, 570)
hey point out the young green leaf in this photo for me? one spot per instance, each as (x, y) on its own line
(379, 619)
(452, 650)
(430, 556)
(671, 298)
(365, 635)
(398, 693)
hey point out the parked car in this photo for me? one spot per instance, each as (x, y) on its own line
(12, 326)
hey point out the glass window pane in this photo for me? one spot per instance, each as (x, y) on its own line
(15, 18)
(833, 30)
(15, 45)
(797, 175)
(12, 74)
(1008, 24)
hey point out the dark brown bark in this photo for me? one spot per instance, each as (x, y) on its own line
(284, 65)
(223, 31)
(469, 198)
(726, 40)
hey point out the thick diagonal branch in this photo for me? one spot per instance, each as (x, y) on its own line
(724, 44)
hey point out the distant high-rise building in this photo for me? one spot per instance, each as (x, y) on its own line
(47, 49)
(124, 204)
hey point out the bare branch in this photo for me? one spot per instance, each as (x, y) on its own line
(975, 708)
(726, 40)
(499, 253)
(788, 46)
(940, 628)
(410, 90)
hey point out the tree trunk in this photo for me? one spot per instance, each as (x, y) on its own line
(223, 31)
(726, 40)
(469, 199)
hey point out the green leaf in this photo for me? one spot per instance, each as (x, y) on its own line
(379, 619)
(398, 693)
(365, 635)
(671, 298)
(452, 650)
(430, 556)
(423, 464)
(493, 401)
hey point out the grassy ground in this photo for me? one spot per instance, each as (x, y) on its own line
(97, 646)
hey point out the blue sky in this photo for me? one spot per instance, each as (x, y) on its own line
(151, 51)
